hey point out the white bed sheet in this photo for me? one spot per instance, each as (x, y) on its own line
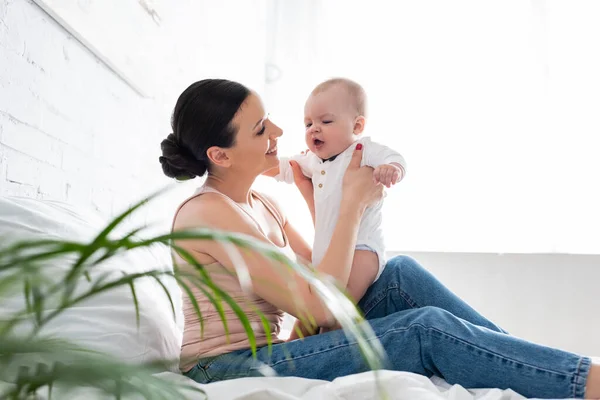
(398, 385)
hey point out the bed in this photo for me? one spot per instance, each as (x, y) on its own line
(108, 323)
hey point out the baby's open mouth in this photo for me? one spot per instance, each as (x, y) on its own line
(317, 142)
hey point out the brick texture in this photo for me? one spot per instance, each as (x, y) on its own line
(72, 130)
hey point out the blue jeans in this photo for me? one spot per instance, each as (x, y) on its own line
(426, 329)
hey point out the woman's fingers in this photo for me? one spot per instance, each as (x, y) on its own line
(295, 167)
(356, 157)
(298, 174)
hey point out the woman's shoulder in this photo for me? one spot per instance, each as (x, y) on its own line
(207, 209)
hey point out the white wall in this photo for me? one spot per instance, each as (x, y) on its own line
(72, 130)
(68, 126)
(493, 105)
(551, 299)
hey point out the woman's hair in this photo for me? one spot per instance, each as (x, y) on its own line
(202, 118)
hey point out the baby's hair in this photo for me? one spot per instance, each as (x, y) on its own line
(355, 91)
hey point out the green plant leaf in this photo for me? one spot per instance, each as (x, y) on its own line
(43, 362)
(22, 265)
(160, 282)
(136, 304)
(194, 302)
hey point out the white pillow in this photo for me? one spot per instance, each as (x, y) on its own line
(106, 322)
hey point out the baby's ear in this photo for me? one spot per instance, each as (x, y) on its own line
(359, 125)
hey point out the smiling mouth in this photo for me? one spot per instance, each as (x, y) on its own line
(272, 151)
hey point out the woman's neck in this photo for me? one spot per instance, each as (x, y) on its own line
(237, 189)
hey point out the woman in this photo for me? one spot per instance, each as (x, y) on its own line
(220, 127)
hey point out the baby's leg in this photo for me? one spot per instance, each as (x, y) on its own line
(365, 267)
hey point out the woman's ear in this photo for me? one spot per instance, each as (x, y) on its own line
(359, 125)
(218, 156)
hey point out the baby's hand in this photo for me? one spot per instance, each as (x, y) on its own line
(387, 174)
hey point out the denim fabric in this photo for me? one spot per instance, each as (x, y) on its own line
(426, 329)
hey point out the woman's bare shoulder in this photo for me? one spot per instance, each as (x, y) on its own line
(206, 210)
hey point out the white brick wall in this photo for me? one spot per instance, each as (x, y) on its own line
(72, 130)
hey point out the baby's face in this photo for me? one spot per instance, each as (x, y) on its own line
(329, 122)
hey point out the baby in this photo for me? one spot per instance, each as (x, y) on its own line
(334, 117)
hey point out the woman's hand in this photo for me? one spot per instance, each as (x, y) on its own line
(302, 182)
(305, 186)
(301, 331)
(358, 188)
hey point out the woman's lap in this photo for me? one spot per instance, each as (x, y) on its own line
(419, 336)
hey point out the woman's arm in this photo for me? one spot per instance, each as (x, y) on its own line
(297, 242)
(271, 280)
(304, 252)
(305, 186)
(302, 182)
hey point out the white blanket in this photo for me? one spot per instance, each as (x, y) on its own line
(396, 385)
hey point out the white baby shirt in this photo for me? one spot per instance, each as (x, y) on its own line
(327, 183)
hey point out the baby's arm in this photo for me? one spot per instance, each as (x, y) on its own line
(284, 172)
(389, 165)
(388, 174)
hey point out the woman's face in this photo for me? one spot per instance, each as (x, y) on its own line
(255, 149)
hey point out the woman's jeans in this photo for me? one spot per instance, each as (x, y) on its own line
(426, 329)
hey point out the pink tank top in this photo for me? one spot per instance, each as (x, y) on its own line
(214, 341)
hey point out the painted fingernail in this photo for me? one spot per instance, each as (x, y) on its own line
(359, 146)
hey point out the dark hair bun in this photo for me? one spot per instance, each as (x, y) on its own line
(177, 162)
(202, 118)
